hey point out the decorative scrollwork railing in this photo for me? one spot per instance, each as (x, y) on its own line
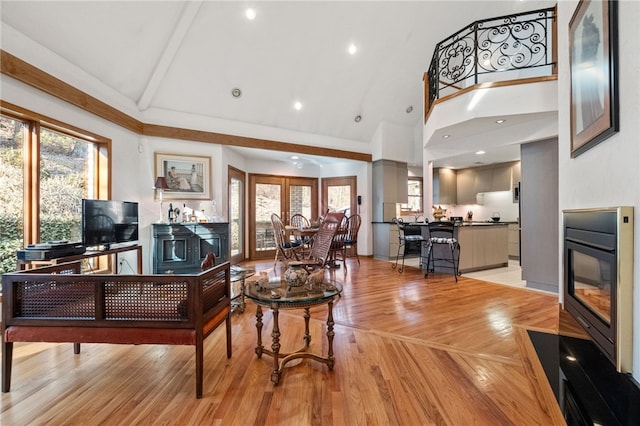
(507, 43)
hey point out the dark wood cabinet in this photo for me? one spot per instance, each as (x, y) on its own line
(180, 247)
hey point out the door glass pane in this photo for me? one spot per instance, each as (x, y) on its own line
(66, 177)
(339, 199)
(267, 202)
(11, 192)
(235, 216)
(300, 201)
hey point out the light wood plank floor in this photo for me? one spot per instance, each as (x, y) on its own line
(409, 351)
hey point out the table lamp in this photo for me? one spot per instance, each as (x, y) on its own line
(160, 186)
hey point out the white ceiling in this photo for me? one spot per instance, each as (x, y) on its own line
(186, 57)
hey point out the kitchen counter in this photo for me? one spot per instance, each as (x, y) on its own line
(475, 223)
(483, 245)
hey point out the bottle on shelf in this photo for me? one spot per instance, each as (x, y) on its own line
(185, 216)
(170, 215)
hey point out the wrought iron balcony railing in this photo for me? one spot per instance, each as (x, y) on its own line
(496, 49)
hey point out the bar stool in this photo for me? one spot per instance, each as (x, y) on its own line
(442, 234)
(407, 239)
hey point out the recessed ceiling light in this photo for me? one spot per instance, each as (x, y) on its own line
(235, 92)
(358, 118)
(500, 121)
(294, 157)
(446, 136)
(297, 105)
(352, 49)
(480, 152)
(409, 109)
(250, 14)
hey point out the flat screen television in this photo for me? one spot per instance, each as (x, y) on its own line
(106, 222)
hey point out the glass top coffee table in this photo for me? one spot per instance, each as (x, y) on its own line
(238, 278)
(276, 295)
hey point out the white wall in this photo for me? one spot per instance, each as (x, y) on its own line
(393, 142)
(608, 174)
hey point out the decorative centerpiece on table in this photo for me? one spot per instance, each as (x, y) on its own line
(469, 217)
(439, 213)
(295, 275)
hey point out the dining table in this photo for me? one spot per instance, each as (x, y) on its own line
(303, 234)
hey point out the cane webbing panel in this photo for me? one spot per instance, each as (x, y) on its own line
(51, 299)
(144, 300)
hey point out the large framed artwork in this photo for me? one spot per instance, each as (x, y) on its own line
(188, 177)
(593, 45)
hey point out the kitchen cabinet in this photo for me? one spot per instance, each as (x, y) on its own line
(181, 247)
(515, 174)
(385, 241)
(475, 180)
(465, 186)
(482, 181)
(514, 241)
(493, 178)
(389, 182)
(483, 247)
(445, 186)
(501, 178)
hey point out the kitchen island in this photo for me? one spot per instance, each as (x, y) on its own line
(483, 245)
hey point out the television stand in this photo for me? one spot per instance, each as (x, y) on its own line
(111, 264)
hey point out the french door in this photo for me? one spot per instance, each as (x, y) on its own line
(340, 194)
(237, 188)
(282, 195)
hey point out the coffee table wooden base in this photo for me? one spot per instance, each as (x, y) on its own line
(280, 359)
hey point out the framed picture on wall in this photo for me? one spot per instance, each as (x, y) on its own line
(593, 46)
(188, 177)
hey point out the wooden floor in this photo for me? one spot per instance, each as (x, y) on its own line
(409, 351)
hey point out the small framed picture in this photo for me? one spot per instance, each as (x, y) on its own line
(188, 177)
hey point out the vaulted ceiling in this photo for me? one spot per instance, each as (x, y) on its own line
(152, 58)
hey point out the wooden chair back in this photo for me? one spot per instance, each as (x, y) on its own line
(299, 221)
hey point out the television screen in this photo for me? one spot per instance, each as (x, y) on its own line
(105, 222)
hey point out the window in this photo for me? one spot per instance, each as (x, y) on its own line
(12, 134)
(46, 168)
(414, 194)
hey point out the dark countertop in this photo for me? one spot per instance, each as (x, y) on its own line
(475, 223)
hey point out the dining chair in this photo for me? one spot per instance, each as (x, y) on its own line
(285, 249)
(337, 252)
(351, 239)
(319, 255)
(299, 221)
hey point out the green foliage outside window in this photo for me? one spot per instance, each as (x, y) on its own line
(64, 173)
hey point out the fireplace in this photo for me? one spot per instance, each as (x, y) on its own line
(598, 278)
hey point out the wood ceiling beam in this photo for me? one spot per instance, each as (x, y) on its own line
(184, 23)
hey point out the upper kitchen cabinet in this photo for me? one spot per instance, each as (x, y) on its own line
(475, 180)
(515, 174)
(496, 177)
(466, 186)
(445, 186)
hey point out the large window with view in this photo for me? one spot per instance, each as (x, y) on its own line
(414, 194)
(12, 135)
(46, 169)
